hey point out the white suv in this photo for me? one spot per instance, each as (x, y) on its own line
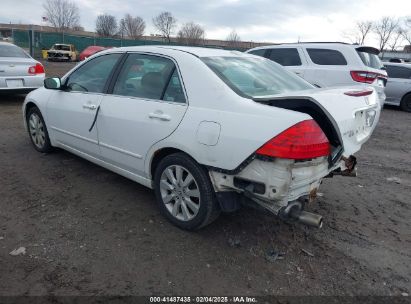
(330, 64)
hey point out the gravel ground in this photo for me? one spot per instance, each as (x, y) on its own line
(88, 231)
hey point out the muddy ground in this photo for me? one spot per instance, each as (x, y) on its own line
(88, 231)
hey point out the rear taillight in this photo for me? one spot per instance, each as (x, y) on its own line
(304, 140)
(36, 69)
(366, 77)
(358, 93)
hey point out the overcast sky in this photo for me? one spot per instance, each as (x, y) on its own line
(254, 20)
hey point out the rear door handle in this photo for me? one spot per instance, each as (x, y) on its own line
(89, 106)
(163, 117)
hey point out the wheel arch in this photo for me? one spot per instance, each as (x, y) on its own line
(159, 152)
(406, 95)
(28, 105)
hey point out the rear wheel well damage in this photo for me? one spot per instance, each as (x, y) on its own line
(158, 156)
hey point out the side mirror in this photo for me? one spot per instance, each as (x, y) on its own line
(52, 83)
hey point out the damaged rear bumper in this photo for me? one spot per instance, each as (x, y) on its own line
(278, 185)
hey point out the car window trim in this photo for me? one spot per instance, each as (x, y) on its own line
(168, 82)
(176, 67)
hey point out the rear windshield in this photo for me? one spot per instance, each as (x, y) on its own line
(253, 77)
(371, 60)
(12, 51)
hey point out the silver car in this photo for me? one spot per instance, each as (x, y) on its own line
(19, 73)
(398, 89)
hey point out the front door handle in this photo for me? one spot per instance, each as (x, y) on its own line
(89, 106)
(163, 117)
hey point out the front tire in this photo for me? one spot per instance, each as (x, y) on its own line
(184, 192)
(38, 131)
(406, 103)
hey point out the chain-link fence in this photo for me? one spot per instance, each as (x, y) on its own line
(44, 40)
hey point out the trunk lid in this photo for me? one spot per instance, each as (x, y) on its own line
(354, 118)
(11, 66)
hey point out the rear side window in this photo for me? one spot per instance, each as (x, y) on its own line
(398, 72)
(260, 52)
(12, 51)
(326, 57)
(149, 77)
(285, 56)
(370, 60)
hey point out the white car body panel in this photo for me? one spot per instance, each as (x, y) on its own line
(216, 127)
(147, 121)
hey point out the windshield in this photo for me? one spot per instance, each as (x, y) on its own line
(253, 77)
(12, 51)
(61, 47)
(371, 60)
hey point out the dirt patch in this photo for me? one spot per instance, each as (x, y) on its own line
(88, 231)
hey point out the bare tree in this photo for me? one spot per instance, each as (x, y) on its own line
(396, 39)
(233, 39)
(106, 25)
(62, 14)
(132, 27)
(191, 34)
(359, 32)
(165, 23)
(406, 30)
(384, 29)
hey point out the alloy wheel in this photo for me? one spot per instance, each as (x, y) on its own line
(37, 130)
(180, 192)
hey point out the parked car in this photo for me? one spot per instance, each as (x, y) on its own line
(398, 88)
(19, 73)
(330, 64)
(60, 52)
(205, 128)
(91, 50)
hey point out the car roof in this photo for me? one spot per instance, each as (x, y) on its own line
(334, 45)
(195, 51)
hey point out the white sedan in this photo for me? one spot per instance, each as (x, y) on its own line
(207, 129)
(19, 73)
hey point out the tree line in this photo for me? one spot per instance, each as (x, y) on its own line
(390, 32)
(65, 15)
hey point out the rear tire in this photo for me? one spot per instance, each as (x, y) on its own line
(37, 129)
(184, 192)
(406, 103)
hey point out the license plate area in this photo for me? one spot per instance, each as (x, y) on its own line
(14, 83)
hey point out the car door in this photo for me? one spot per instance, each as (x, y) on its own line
(71, 111)
(147, 104)
(398, 84)
(289, 57)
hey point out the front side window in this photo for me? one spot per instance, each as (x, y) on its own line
(151, 77)
(253, 77)
(285, 56)
(398, 72)
(93, 75)
(326, 57)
